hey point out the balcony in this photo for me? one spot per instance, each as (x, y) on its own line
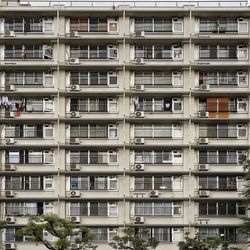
(156, 79)
(157, 53)
(27, 26)
(223, 52)
(156, 133)
(18, 134)
(28, 80)
(226, 80)
(223, 107)
(223, 25)
(92, 26)
(158, 25)
(34, 53)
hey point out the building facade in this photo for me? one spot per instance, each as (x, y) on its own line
(124, 115)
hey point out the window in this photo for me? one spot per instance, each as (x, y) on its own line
(153, 131)
(156, 209)
(222, 208)
(229, 183)
(99, 233)
(218, 157)
(89, 24)
(157, 104)
(158, 24)
(158, 52)
(94, 183)
(163, 183)
(223, 131)
(230, 234)
(93, 157)
(93, 209)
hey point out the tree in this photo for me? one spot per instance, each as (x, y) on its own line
(245, 226)
(197, 243)
(60, 229)
(134, 239)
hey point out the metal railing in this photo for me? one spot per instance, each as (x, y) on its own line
(138, 3)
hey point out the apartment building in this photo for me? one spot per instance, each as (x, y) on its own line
(125, 115)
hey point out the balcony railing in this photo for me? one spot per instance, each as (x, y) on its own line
(23, 133)
(20, 211)
(222, 133)
(102, 159)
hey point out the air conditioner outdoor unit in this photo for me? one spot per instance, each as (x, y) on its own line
(9, 114)
(75, 219)
(10, 246)
(139, 34)
(74, 87)
(139, 87)
(204, 87)
(74, 114)
(139, 114)
(203, 114)
(75, 167)
(9, 193)
(9, 33)
(139, 61)
(139, 141)
(74, 141)
(74, 61)
(9, 167)
(139, 167)
(203, 140)
(9, 140)
(75, 193)
(74, 33)
(204, 193)
(154, 193)
(10, 220)
(10, 88)
(139, 220)
(203, 167)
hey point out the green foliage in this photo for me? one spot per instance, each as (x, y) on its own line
(60, 229)
(245, 226)
(197, 243)
(134, 239)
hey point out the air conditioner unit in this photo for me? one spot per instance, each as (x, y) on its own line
(75, 193)
(9, 33)
(139, 61)
(203, 141)
(74, 33)
(139, 114)
(203, 114)
(10, 220)
(139, 34)
(204, 87)
(10, 246)
(139, 141)
(75, 167)
(74, 141)
(74, 114)
(10, 88)
(9, 167)
(203, 167)
(9, 114)
(139, 87)
(74, 61)
(139, 220)
(9, 193)
(154, 193)
(204, 193)
(9, 140)
(139, 167)
(75, 219)
(74, 87)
